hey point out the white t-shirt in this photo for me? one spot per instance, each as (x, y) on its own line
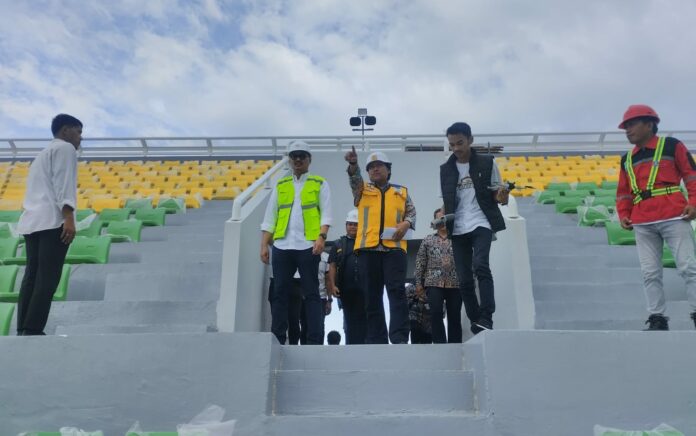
(468, 214)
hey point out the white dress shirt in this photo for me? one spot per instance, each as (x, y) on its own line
(294, 235)
(52, 184)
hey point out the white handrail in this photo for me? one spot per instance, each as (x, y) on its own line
(245, 196)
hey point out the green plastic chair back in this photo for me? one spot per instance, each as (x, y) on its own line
(151, 217)
(568, 204)
(582, 193)
(548, 197)
(6, 312)
(667, 257)
(94, 229)
(171, 205)
(89, 250)
(585, 186)
(593, 215)
(124, 231)
(604, 192)
(8, 279)
(5, 231)
(558, 186)
(8, 248)
(609, 202)
(109, 215)
(61, 293)
(10, 216)
(617, 235)
(139, 203)
(81, 214)
(609, 185)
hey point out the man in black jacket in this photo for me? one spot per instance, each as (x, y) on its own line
(471, 190)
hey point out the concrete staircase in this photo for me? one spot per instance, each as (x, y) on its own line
(408, 390)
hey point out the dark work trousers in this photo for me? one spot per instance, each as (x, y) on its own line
(354, 317)
(380, 269)
(295, 308)
(471, 252)
(437, 298)
(45, 258)
(285, 264)
(419, 335)
(303, 322)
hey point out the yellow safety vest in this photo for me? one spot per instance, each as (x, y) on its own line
(309, 199)
(649, 191)
(377, 211)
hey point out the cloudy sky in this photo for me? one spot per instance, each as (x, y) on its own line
(302, 67)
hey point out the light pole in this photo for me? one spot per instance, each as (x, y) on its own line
(362, 120)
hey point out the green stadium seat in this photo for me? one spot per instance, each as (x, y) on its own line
(139, 203)
(81, 214)
(604, 193)
(568, 204)
(94, 229)
(89, 250)
(609, 185)
(110, 215)
(153, 433)
(171, 205)
(593, 215)
(6, 232)
(8, 249)
(585, 186)
(667, 258)
(10, 216)
(41, 433)
(576, 193)
(6, 312)
(548, 197)
(61, 293)
(8, 278)
(617, 235)
(558, 186)
(609, 202)
(124, 231)
(151, 217)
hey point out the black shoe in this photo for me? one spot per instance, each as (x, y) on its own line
(484, 324)
(693, 317)
(475, 329)
(657, 321)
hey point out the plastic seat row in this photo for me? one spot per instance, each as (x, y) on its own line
(82, 250)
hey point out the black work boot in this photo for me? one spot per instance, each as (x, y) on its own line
(657, 321)
(693, 317)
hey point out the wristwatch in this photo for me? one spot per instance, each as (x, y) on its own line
(323, 236)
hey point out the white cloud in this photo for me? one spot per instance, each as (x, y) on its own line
(303, 67)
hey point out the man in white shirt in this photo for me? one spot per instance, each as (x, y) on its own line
(297, 221)
(471, 191)
(48, 222)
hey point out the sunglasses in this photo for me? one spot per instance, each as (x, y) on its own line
(300, 155)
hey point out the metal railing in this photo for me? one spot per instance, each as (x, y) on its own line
(211, 146)
(263, 181)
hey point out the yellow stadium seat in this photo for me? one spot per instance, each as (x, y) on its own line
(225, 193)
(206, 193)
(84, 202)
(192, 201)
(101, 203)
(175, 192)
(149, 192)
(11, 204)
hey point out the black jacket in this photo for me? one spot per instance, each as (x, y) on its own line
(480, 170)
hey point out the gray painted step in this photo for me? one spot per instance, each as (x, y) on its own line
(603, 275)
(573, 292)
(171, 286)
(374, 357)
(380, 425)
(590, 311)
(130, 313)
(120, 329)
(613, 324)
(385, 391)
(619, 258)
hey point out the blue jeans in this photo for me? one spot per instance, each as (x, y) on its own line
(471, 256)
(285, 264)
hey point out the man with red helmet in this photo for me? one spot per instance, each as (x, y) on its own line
(649, 201)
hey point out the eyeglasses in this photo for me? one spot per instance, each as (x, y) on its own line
(300, 155)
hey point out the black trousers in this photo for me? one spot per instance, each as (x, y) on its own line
(295, 317)
(419, 335)
(285, 263)
(471, 256)
(380, 269)
(437, 298)
(45, 258)
(354, 315)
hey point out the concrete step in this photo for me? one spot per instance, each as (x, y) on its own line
(603, 310)
(67, 313)
(172, 285)
(620, 258)
(675, 324)
(369, 392)
(374, 357)
(574, 292)
(404, 424)
(121, 329)
(602, 275)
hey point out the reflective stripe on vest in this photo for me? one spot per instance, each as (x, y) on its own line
(371, 219)
(638, 194)
(309, 200)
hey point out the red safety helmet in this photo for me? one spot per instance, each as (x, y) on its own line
(638, 111)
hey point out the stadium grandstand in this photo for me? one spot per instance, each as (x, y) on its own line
(162, 305)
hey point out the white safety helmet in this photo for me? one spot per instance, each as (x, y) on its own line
(377, 156)
(352, 216)
(298, 146)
